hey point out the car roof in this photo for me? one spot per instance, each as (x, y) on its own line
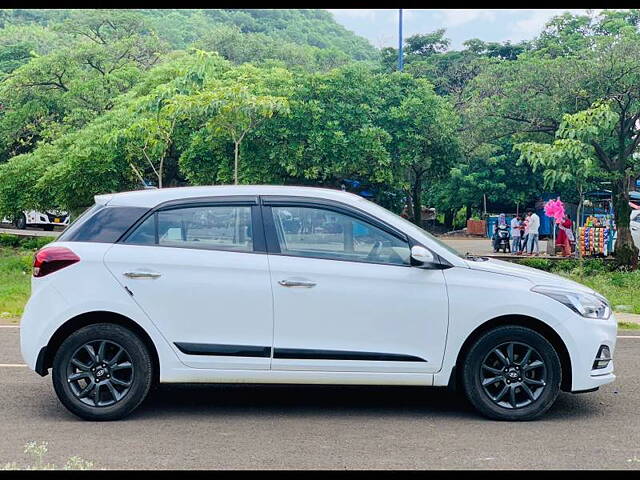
(153, 197)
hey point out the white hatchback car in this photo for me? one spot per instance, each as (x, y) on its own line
(272, 284)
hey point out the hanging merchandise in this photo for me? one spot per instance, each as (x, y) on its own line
(593, 239)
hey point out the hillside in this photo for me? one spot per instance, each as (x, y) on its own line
(181, 28)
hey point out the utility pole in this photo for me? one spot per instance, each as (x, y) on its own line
(400, 42)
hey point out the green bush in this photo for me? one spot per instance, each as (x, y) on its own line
(17, 241)
(539, 263)
(7, 240)
(36, 243)
(564, 266)
(581, 267)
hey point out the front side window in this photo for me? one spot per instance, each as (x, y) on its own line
(321, 233)
(210, 227)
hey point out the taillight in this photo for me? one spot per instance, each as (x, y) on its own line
(51, 259)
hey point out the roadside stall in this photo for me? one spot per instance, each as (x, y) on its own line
(595, 238)
(596, 234)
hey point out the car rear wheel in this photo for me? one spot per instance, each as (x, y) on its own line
(512, 373)
(102, 372)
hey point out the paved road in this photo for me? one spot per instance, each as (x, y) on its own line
(479, 246)
(302, 427)
(28, 232)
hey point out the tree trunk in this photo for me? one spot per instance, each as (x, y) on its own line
(625, 251)
(468, 212)
(417, 201)
(160, 168)
(409, 205)
(448, 218)
(236, 148)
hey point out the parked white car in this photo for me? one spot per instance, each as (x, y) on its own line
(271, 284)
(32, 218)
(635, 227)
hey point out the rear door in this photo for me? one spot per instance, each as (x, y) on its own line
(200, 272)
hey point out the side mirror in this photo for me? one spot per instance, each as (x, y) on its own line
(422, 257)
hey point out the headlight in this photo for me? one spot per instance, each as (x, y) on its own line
(586, 304)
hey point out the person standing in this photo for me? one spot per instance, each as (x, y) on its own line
(524, 235)
(534, 228)
(515, 235)
(565, 236)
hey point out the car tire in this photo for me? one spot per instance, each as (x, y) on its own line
(107, 384)
(512, 373)
(20, 221)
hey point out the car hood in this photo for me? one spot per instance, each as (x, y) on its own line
(535, 276)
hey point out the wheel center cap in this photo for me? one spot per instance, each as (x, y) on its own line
(512, 373)
(101, 372)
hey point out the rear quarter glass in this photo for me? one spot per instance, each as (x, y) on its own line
(103, 225)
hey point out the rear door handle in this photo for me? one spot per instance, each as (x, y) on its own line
(142, 274)
(296, 283)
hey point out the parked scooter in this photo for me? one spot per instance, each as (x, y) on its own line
(503, 241)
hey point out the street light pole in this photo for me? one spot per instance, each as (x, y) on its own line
(400, 42)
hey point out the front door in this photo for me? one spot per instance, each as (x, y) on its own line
(345, 295)
(201, 274)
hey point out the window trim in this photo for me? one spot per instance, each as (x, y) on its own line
(273, 245)
(258, 238)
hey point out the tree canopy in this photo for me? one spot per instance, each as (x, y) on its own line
(94, 101)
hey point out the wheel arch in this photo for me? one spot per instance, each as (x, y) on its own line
(455, 380)
(89, 318)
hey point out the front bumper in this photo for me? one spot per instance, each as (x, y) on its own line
(587, 340)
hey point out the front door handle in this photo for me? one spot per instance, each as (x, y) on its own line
(296, 283)
(142, 274)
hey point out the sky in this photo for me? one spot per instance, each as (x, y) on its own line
(380, 26)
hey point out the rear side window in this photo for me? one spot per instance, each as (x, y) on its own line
(219, 227)
(106, 225)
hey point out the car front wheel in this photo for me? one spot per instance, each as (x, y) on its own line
(102, 372)
(512, 373)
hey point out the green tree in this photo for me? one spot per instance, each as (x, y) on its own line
(529, 100)
(425, 145)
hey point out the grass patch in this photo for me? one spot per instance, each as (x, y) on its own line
(618, 286)
(629, 325)
(16, 259)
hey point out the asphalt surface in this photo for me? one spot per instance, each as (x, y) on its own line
(322, 427)
(29, 231)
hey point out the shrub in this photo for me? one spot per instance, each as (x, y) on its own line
(564, 265)
(36, 243)
(17, 241)
(594, 266)
(539, 263)
(7, 240)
